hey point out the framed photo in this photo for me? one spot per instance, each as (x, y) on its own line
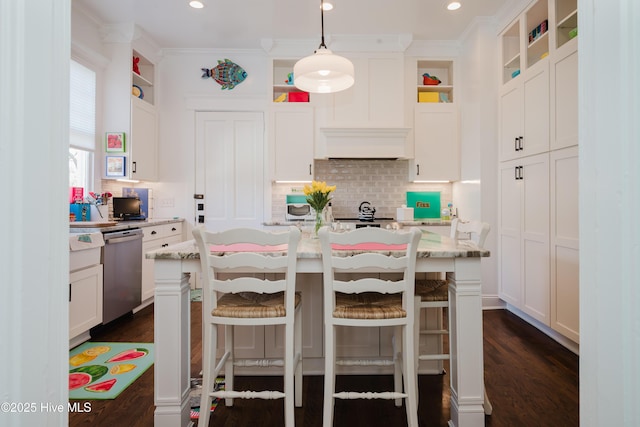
(114, 142)
(115, 166)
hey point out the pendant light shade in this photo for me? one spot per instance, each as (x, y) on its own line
(323, 72)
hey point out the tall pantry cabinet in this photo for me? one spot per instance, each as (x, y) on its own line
(538, 172)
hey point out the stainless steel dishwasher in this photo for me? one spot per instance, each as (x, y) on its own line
(122, 266)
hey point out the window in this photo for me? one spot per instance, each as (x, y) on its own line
(82, 126)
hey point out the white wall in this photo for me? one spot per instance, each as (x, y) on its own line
(34, 260)
(609, 133)
(182, 92)
(476, 195)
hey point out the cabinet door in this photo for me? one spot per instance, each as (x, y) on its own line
(565, 255)
(85, 300)
(376, 98)
(292, 135)
(524, 114)
(511, 119)
(535, 237)
(436, 143)
(524, 235)
(144, 141)
(536, 109)
(564, 98)
(510, 289)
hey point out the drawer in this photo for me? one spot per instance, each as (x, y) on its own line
(162, 231)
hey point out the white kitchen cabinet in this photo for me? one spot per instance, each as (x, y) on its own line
(436, 143)
(376, 100)
(524, 114)
(85, 301)
(156, 237)
(524, 235)
(310, 286)
(564, 96)
(143, 164)
(292, 134)
(565, 255)
(130, 101)
(85, 285)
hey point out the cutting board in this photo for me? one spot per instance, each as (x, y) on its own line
(425, 204)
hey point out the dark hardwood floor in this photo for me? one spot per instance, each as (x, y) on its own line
(530, 379)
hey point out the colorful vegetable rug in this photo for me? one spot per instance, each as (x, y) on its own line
(102, 370)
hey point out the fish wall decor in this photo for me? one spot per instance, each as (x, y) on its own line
(228, 74)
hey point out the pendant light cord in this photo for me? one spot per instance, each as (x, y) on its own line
(322, 25)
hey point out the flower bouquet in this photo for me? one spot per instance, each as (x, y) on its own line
(318, 196)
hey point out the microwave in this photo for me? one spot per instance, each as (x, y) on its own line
(298, 209)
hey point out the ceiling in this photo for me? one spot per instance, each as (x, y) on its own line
(173, 24)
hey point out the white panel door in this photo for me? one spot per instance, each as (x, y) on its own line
(230, 168)
(564, 99)
(510, 289)
(535, 236)
(565, 243)
(536, 110)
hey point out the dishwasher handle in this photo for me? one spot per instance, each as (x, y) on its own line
(121, 237)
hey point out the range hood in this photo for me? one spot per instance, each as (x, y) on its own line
(364, 143)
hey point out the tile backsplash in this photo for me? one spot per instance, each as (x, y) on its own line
(383, 183)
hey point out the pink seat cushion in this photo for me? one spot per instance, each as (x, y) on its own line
(248, 247)
(369, 247)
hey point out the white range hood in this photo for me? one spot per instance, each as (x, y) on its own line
(364, 143)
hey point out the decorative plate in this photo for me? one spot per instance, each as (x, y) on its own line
(137, 91)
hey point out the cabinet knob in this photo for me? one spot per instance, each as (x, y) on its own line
(154, 232)
(173, 229)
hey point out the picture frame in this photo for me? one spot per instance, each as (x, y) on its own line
(115, 166)
(115, 142)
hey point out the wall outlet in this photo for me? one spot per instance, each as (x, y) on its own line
(167, 202)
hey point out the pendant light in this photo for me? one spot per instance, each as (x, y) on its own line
(323, 72)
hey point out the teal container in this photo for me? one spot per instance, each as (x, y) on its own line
(425, 204)
(81, 210)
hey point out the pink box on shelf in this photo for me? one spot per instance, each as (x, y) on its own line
(298, 97)
(76, 194)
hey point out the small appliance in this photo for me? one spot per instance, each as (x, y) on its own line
(127, 209)
(298, 209)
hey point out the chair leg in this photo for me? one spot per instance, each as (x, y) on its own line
(229, 330)
(416, 342)
(410, 376)
(329, 375)
(397, 340)
(289, 417)
(298, 350)
(209, 338)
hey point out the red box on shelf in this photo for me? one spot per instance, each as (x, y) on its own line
(298, 96)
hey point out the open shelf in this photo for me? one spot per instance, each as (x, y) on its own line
(282, 90)
(145, 79)
(443, 70)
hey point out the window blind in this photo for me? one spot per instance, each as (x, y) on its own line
(82, 107)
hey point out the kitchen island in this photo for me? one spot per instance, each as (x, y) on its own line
(461, 260)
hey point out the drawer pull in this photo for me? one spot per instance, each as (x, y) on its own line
(154, 232)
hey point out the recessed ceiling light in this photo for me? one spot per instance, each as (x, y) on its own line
(454, 5)
(327, 5)
(196, 4)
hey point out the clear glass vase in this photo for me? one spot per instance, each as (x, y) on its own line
(319, 222)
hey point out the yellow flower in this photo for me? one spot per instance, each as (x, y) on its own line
(318, 194)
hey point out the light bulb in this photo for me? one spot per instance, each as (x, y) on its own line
(324, 73)
(454, 5)
(196, 4)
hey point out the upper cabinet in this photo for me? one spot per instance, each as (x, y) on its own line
(376, 99)
(130, 100)
(436, 133)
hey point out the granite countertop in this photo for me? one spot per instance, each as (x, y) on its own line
(105, 227)
(415, 223)
(431, 245)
